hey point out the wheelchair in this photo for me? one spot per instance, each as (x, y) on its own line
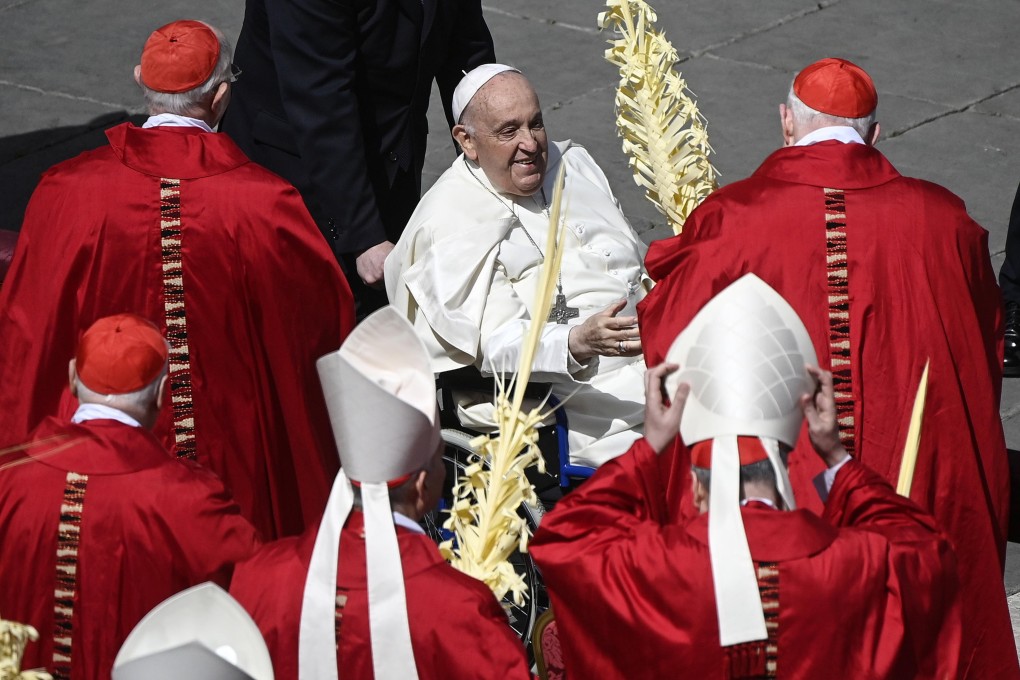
(559, 478)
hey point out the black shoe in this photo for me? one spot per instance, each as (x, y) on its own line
(1011, 358)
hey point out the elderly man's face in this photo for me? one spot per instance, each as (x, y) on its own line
(509, 140)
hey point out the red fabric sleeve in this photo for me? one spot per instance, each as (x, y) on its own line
(922, 576)
(862, 499)
(216, 536)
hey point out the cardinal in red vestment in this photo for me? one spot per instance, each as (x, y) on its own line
(98, 522)
(889, 274)
(751, 587)
(368, 595)
(172, 222)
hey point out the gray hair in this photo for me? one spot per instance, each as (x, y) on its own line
(809, 117)
(193, 100)
(139, 399)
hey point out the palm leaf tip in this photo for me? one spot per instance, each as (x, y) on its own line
(657, 114)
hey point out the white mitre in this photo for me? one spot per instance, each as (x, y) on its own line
(381, 397)
(743, 355)
(473, 81)
(201, 633)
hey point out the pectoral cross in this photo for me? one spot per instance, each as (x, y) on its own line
(560, 312)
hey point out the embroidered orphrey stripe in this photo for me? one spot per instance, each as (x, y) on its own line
(839, 312)
(179, 372)
(768, 587)
(758, 659)
(68, 540)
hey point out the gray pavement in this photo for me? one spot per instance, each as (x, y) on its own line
(946, 72)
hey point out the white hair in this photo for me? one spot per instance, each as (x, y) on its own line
(139, 399)
(192, 101)
(809, 117)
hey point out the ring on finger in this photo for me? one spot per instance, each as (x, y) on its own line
(619, 346)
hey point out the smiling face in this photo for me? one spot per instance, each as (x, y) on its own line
(503, 132)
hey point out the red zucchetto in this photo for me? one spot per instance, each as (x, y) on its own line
(751, 451)
(120, 354)
(836, 87)
(179, 56)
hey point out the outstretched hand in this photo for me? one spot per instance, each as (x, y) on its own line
(605, 334)
(820, 410)
(662, 421)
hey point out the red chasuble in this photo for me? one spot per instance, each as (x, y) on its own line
(99, 524)
(178, 226)
(866, 591)
(458, 630)
(887, 272)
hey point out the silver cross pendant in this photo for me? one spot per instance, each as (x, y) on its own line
(560, 312)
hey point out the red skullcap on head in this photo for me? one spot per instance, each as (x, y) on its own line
(750, 448)
(836, 87)
(120, 354)
(179, 57)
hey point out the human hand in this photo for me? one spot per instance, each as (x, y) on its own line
(605, 334)
(662, 422)
(370, 264)
(820, 410)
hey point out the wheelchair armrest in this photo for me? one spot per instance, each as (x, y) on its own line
(470, 378)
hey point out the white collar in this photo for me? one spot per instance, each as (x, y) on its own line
(766, 501)
(839, 133)
(406, 522)
(88, 412)
(173, 120)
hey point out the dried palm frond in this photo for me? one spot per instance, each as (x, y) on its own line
(913, 443)
(663, 133)
(14, 637)
(487, 526)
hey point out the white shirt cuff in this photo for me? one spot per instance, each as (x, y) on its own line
(502, 350)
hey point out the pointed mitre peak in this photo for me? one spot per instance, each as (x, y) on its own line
(200, 633)
(381, 396)
(743, 355)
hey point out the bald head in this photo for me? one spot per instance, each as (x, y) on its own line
(502, 130)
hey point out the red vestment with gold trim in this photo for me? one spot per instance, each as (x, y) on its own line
(98, 525)
(887, 272)
(458, 629)
(178, 226)
(869, 590)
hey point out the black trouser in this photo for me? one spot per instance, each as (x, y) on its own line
(1009, 274)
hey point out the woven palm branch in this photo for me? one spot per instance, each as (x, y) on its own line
(484, 519)
(14, 637)
(663, 133)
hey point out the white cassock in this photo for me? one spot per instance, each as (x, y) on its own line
(465, 272)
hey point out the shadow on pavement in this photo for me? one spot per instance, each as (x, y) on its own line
(24, 157)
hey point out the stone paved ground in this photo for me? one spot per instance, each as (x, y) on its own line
(946, 73)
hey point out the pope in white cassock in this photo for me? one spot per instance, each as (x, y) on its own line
(466, 268)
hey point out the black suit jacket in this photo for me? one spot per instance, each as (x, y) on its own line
(334, 94)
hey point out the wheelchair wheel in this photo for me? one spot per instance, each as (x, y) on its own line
(522, 617)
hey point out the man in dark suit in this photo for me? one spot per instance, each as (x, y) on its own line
(334, 99)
